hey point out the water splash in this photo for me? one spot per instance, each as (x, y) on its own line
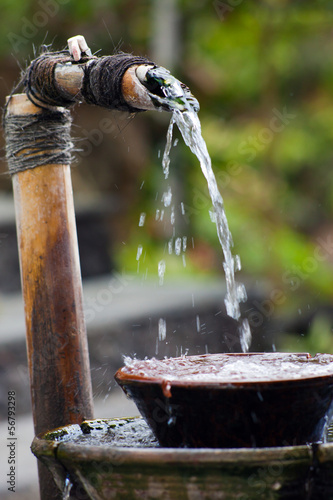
(260, 367)
(190, 128)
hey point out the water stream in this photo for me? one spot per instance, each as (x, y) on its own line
(190, 128)
(170, 94)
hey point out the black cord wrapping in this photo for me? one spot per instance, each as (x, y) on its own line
(101, 86)
(38, 139)
(40, 84)
(103, 78)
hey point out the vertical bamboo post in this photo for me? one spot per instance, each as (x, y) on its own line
(52, 291)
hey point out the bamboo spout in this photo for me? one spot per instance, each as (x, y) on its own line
(121, 81)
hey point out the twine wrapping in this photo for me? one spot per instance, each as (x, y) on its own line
(34, 140)
(103, 78)
(40, 84)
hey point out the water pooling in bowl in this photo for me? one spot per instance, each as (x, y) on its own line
(228, 368)
(176, 97)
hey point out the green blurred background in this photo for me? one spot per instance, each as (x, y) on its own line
(263, 74)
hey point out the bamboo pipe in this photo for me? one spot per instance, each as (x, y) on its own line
(51, 282)
(69, 80)
(55, 79)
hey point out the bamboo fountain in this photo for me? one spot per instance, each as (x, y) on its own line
(211, 439)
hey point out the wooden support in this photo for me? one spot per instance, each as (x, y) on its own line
(52, 290)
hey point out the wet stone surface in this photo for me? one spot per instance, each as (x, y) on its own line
(132, 432)
(118, 432)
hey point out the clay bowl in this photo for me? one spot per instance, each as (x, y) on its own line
(233, 400)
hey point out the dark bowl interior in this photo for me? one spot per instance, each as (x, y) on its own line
(233, 400)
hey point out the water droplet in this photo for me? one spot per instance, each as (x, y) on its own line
(178, 246)
(173, 215)
(139, 252)
(171, 421)
(167, 197)
(245, 335)
(67, 488)
(241, 292)
(197, 319)
(238, 264)
(166, 154)
(161, 271)
(254, 417)
(212, 216)
(142, 219)
(161, 329)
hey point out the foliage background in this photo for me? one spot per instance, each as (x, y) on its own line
(247, 63)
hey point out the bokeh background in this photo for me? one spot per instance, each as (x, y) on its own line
(263, 74)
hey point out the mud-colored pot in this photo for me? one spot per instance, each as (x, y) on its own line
(231, 413)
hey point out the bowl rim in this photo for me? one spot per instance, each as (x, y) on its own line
(42, 446)
(124, 378)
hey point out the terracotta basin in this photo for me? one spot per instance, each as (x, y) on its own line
(233, 400)
(120, 459)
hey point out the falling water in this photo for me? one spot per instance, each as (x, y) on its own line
(176, 97)
(189, 126)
